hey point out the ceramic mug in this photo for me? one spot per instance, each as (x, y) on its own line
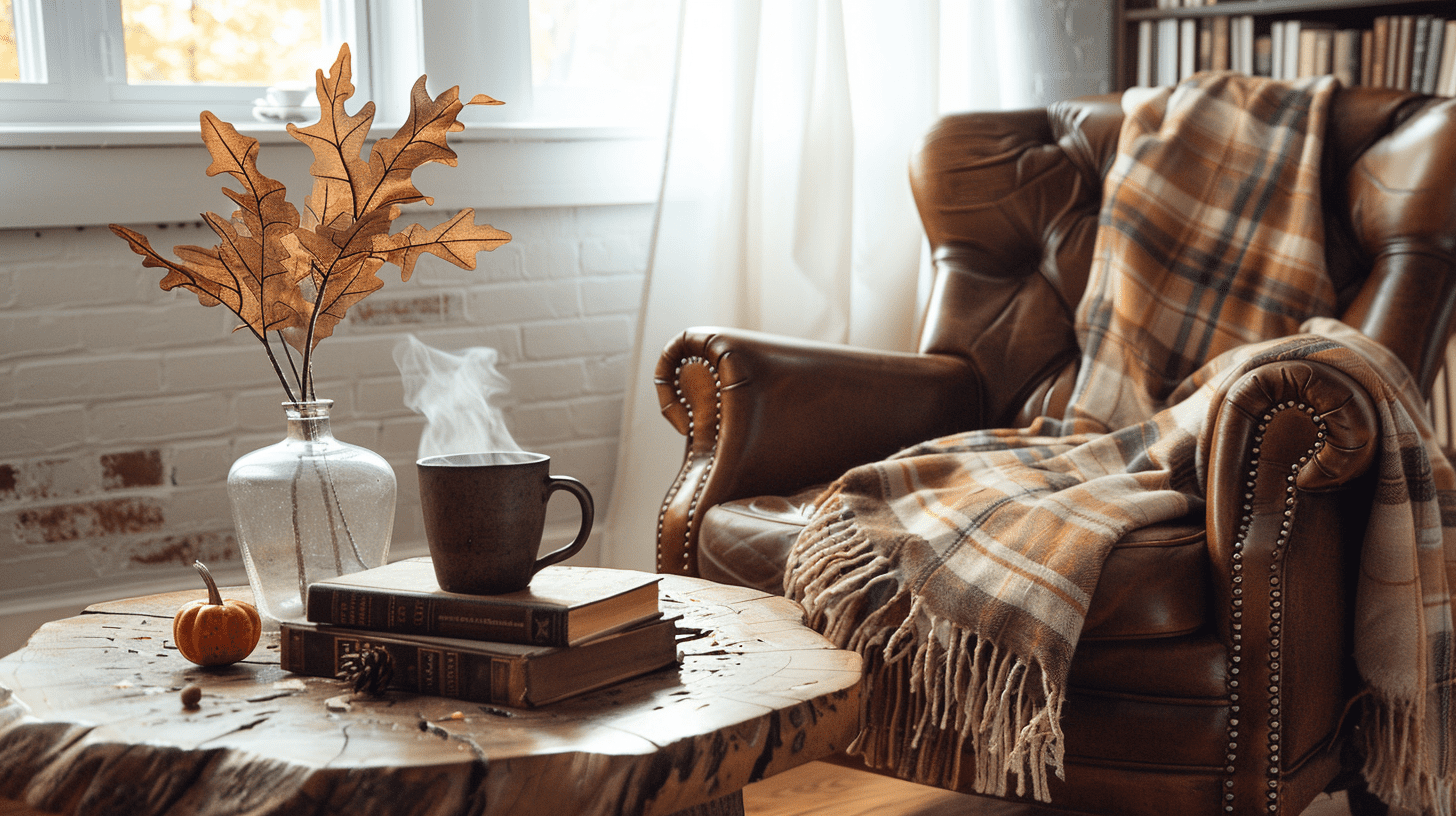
(484, 514)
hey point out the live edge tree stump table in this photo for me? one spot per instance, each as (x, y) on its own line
(92, 722)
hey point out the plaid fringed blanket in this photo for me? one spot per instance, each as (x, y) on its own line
(962, 569)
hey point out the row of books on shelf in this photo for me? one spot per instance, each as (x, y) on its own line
(573, 630)
(1412, 52)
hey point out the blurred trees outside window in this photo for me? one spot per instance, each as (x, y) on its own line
(222, 42)
(9, 57)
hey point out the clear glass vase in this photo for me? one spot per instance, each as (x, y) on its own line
(308, 508)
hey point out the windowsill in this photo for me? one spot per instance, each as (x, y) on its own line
(185, 134)
(86, 175)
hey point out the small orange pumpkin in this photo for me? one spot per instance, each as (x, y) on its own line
(214, 632)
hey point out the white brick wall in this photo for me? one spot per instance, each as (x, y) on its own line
(122, 406)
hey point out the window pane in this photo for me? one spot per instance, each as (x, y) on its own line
(603, 58)
(224, 42)
(9, 56)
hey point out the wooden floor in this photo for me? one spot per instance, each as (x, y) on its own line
(10, 807)
(823, 789)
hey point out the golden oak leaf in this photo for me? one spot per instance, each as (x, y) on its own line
(420, 140)
(254, 255)
(246, 271)
(341, 177)
(456, 240)
(208, 287)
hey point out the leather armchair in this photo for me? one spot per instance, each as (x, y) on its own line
(1177, 704)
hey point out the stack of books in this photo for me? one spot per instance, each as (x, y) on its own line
(573, 630)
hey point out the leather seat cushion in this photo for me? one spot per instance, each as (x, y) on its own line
(746, 542)
(1154, 584)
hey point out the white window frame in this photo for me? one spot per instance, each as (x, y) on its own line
(73, 68)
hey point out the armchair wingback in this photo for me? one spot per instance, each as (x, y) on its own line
(1009, 203)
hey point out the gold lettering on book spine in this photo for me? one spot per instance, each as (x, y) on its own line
(429, 661)
(452, 674)
(351, 608)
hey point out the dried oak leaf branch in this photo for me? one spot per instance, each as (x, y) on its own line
(268, 252)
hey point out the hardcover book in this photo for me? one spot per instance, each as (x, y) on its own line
(509, 674)
(563, 606)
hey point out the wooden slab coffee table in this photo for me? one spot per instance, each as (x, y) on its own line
(91, 721)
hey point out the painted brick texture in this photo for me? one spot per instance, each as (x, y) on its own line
(123, 406)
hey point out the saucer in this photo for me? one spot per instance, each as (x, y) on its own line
(264, 112)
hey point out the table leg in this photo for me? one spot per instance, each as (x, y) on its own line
(728, 805)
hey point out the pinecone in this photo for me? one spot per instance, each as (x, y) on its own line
(369, 669)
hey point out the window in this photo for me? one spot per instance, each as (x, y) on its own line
(604, 60)
(90, 61)
(157, 61)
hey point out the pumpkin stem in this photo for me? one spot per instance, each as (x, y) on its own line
(213, 596)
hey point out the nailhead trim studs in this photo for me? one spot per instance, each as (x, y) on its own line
(712, 456)
(1275, 605)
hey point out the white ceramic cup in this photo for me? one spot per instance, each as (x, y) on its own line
(287, 96)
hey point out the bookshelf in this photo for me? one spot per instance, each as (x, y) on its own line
(1389, 43)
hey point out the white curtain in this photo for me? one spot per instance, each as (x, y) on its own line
(785, 203)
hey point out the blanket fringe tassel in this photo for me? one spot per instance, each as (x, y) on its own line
(1393, 768)
(937, 697)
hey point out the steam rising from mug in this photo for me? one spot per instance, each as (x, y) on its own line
(454, 392)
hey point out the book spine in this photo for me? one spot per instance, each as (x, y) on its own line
(1221, 37)
(1420, 42)
(1324, 52)
(1292, 38)
(1205, 45)
(1167, 50)
(1145, 66)
(1345, 59)
(1446, 84)
(419, 669)
(1187, 48)
(1380, 51)
(1398, 69)
(1308, 54)
(1276, 53)
(403, 613)
(1250, 45)
(1367, 46)
(1436, 43)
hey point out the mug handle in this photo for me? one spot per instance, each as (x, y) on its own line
(588, 512)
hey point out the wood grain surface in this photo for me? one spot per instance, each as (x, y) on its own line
(91, 722)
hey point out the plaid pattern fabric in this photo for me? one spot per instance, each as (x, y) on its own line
(962, 568)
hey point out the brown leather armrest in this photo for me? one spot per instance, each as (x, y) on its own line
(1289, 479)
(766, 414)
